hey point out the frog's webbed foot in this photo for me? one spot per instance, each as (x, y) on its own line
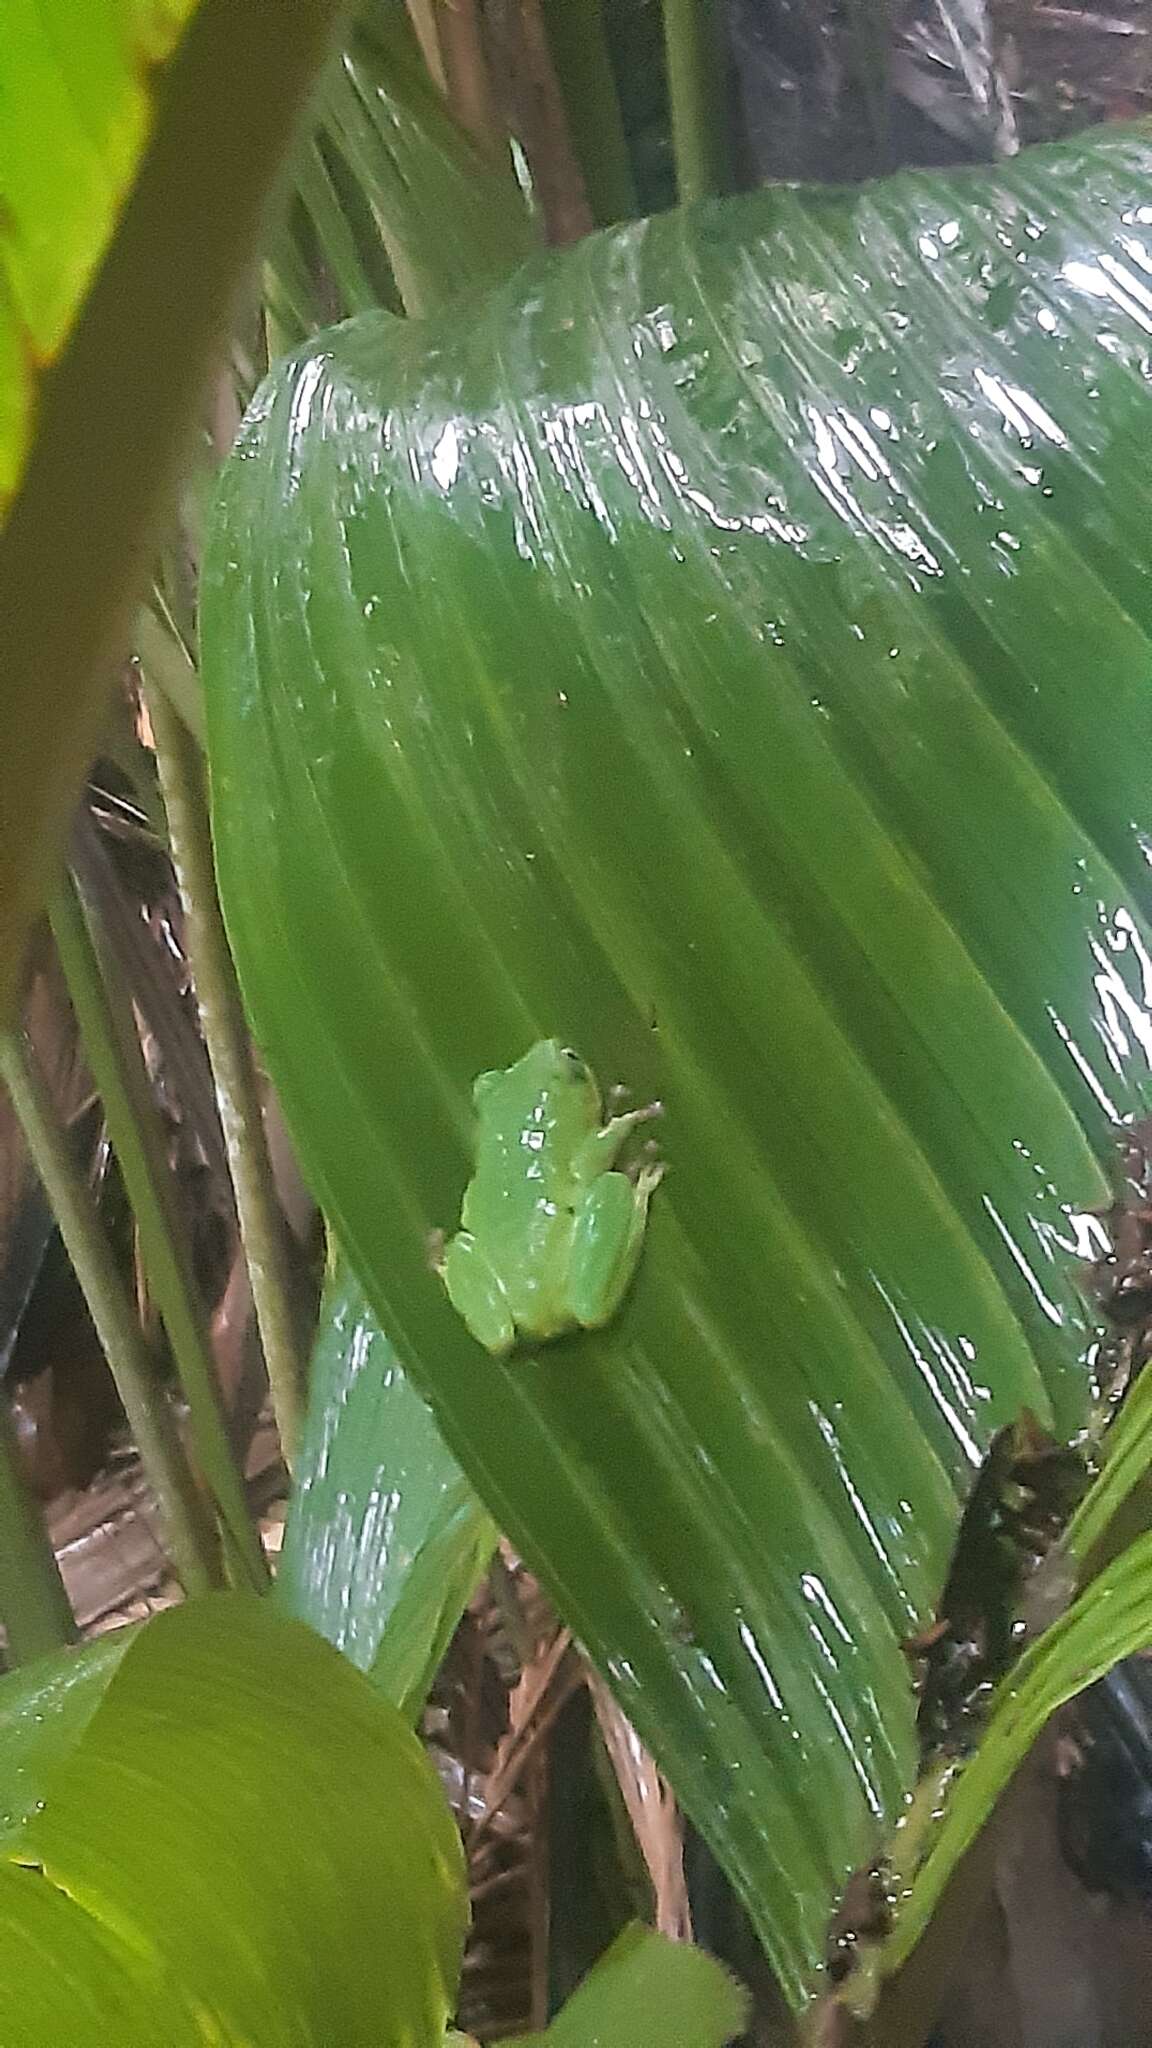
(434, 1248)
(647, 1170)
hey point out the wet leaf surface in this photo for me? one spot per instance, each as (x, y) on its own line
(726, 648)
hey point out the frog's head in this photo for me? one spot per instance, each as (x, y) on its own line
(549, 1069)
(564, 1064)
(555, 1076)
(552, 1064)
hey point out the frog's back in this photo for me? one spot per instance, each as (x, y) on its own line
(506, 1199)
(516, 1214)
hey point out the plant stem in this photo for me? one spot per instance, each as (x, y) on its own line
(537, 114)
(422, 14)
(191, 1536)
(335, 237)
(584, 68)
(34, 1606)
(112, 1046)
(262, 1229)
(169, 666)
(467, 80)
(696, 92)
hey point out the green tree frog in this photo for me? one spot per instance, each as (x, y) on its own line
(549, 1235)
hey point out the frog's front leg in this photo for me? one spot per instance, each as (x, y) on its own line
(607, 1233)
(601, 1148)
(477, 1293)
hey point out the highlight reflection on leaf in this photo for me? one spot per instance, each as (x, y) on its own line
(385, 1539)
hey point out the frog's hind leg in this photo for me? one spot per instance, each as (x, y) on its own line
(606, 1241)
(477, 1294)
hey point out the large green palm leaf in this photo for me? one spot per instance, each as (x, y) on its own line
(726, 647)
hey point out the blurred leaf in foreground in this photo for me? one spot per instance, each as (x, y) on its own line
(111, 420)
(240, 1839)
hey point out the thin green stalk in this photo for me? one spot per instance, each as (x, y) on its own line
(191, 1536)
(262, 1228)
(113, 1050)
(584, 70)
(538, 116)
(870, 34)
(168, 663)
(422, 14)
(696, 94)
(328, 215)
(1126, 1453)
(34, 1607)
(468, 80)
(450, 217)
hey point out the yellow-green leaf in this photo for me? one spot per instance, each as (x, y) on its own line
(241, 1833)
(77, 97)
(647, 1992)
